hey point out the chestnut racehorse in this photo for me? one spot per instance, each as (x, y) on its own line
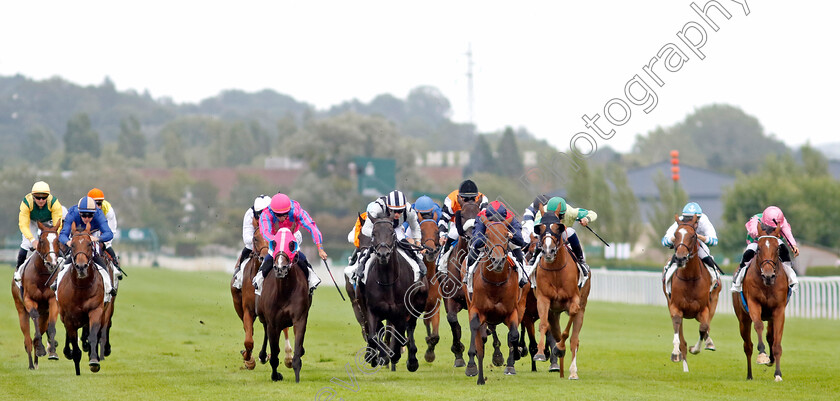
(80, 299)
(690, 296)
(765, 295)
(495, 299)
(243, 302)
(285, 302)
(429, 234)
(39, 303)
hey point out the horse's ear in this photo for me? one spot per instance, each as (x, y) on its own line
(73, 227)
(677, 218)
(41, 226)
(484, 219)
(777, 230)
(694, 220)
(87, 228)
(539, 229)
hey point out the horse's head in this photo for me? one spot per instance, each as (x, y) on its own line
(81, 250)
(685, 239)
(260, 244)
(429, 234)
(769, 245)
(383, 239)
(284, 254)
(496, 243)
(550, 239)
(48, 245)
(469, 212)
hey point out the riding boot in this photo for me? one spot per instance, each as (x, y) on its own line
(520, 258)
(739, 273)
(20, 259)
(243, 256)
(443, 257)
(360, 264)
(109, 287)
(268, 262)
(793, 282)
(113, 254)
(353, 257)
(312, 279)
(578, 251)
(472, 259)
(534, 257)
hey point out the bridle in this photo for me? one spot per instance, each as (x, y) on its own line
(773, 261)
(382, 245)
(692, 250)
(559, 242)
(493, 247)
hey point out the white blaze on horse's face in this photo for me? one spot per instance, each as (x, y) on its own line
(53, 253)
(550, 251)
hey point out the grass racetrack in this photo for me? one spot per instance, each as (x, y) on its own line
(176, 337)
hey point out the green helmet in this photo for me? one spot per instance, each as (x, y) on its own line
(556, 204)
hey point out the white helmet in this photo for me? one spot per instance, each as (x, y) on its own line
(395, 200)
(261, 202)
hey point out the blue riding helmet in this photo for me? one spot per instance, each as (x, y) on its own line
(424, 204)
(692, 208)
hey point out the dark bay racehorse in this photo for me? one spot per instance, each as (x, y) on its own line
(690, 297)
(80, 300)
(557, 291)
(390, 294)
(765, 295)
(355, 301)
(496, 298)
(38, 303)
(285, 302)
(429, 234)
(243, 302)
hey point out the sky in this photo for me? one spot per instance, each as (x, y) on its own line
(541, 65)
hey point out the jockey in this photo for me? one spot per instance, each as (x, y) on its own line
(496, 212)
(286, 213)
(568, 215)
(530, 214)
(37, 206)
(260, 203)
(772, 217)
(705, 233)
(452, 206)
(394, 205)
(427, 210)
(111, 215)
(83, 214)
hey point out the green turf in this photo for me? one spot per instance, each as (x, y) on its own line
(177, 337)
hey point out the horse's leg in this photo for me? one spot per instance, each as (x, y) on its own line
(574, 343)
(452, 309)
(758, 325)
(472, 370)
(412, 364)
(513, 339)
(375, 349)
(543, 304)
(778, 327)
(678, 352)
(744, 328)
(713, 301)
(558, 350)
(85, 338)
(248, 326)
(498, 358)
(72, 334)
(273, 334)
(479, 346)
(287, 361)
(299, 327)
(263, 352)
(23, 317)
(433, 336)
(94, 320)
(36, 317)
(532, 343)
(703, 318)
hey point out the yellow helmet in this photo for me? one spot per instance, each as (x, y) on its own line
(41, 187)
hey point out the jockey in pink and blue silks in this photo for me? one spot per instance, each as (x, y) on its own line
(771, 218)
(286, 213)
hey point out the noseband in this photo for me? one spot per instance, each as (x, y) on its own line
(773, 261)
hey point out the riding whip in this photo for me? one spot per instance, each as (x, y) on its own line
(333, 279)
(596, 234)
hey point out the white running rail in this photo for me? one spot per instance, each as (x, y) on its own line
(818, 297)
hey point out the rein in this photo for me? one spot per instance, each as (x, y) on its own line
(496, 283)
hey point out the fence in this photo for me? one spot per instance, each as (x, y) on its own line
(818, 297)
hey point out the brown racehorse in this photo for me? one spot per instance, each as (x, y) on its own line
(39, 303)
(80, 299)
(765, 295)
(358, 308)
(495, 299)
(108, 312)
(243, 302)
(429, 239)
(690, 297)
(284, 303)
(557, 291)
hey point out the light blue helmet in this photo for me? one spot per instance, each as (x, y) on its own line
(424, 204)
(692, 208)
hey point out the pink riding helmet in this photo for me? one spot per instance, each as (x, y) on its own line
(770, 214)
(281, 203)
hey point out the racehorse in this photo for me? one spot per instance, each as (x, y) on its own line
(764, 297)
(108, 312)
(285, 302)
(80, 299)
(690, 296)
(355, 301)
(37, 301)
(496, 298)
(429, 239)
(243, 302)
(557, 291)
(388, 294)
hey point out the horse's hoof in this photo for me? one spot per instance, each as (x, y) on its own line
(94, 366)
(778, 378)
(471, 371)
(539, 357)
(762, 359)
(694, 351)
(555, 367)
(676, 357)
(40, 351)
(459, 363)
(573, 376)
(250, 364)
(498, 359)
(510, 370)
(53, 356)
(276, 376)
(412, 365)
(264, 359)
(429, 356)
(287, 362)
(432, 341)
